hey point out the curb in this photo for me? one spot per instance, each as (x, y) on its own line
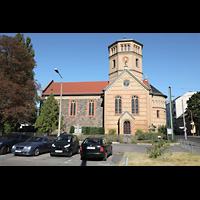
(120, 162)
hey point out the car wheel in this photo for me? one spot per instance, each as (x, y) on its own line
(3, 150)
(70, 154)
(105, 157)
(36, 152)
(111, 152)
(8, 150)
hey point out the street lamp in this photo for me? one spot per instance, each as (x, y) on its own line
(170, 107)
(56, 70)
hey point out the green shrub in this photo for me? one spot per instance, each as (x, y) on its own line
(139, 131)
(8, 127)
(157, 150)
(163, 129)
(92, 130)
(71, 129)
(150, 136)
(112, 131)
(144, 136)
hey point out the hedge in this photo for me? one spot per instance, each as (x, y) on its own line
(93, 130)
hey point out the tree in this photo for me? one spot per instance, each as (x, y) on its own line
(28, 45)
(18, 93)
(193, 106)
(48, 119)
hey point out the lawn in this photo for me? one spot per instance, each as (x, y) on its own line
(176, 159)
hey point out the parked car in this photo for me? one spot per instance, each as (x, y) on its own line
(65, 145)
(33, 146)
(7, 143)
(93, 147)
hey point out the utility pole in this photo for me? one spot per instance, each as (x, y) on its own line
(171, 119)
(185, 133)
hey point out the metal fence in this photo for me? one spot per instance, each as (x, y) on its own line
(190, 146)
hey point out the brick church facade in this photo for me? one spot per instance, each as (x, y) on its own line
(126, 102)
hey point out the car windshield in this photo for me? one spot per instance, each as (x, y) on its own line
(92, 141)
(35, 139)
(13, 137)
(64, 138)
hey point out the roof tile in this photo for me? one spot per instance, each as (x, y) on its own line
(77, 87)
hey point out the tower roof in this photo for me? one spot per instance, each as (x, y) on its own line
(125, 40)
(156, 92)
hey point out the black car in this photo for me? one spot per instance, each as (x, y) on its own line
(7, 143)
(65, 145)
(93, 147)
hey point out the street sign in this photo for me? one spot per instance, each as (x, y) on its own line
(169, 131)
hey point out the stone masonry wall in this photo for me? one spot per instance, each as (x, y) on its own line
(82, 109)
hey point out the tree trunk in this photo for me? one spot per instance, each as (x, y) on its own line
(1, 128)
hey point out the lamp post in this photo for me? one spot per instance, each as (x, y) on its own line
(59, 125)
(171, 119)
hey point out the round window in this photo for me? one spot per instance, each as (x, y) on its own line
(126, 83)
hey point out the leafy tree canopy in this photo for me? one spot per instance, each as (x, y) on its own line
(18, 94)
(193, 106)
(48, 119)
(28, 45)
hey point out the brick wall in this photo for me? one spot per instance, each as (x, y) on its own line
(141, 119)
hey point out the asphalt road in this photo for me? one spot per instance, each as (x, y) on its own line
(47, 160)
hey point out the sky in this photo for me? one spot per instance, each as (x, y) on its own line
(169, 59)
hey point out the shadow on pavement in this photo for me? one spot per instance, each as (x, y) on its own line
(84, 163)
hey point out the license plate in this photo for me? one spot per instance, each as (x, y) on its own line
(58, 151)
(90, 147)
(18, 151)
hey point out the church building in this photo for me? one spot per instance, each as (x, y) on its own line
(126, 102)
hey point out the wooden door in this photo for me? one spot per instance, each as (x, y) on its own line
(127, 127)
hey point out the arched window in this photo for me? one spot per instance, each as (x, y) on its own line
(91, 108)
(136, 62)
(113, 64)
(135, 105)
(73, 108)
(118, 105)
(158, 113)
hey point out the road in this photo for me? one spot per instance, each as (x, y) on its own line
(47, 160)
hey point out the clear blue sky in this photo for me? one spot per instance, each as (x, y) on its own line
(169, 59)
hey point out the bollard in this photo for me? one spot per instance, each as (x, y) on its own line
(126, 163)
(187, 146)
(192, 148)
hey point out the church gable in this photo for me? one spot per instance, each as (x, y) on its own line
(126, 81)
(126, 115)
(126, 94)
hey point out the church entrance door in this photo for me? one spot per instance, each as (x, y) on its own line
(127, 127)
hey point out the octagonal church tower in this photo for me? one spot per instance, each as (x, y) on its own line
(125, 53)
